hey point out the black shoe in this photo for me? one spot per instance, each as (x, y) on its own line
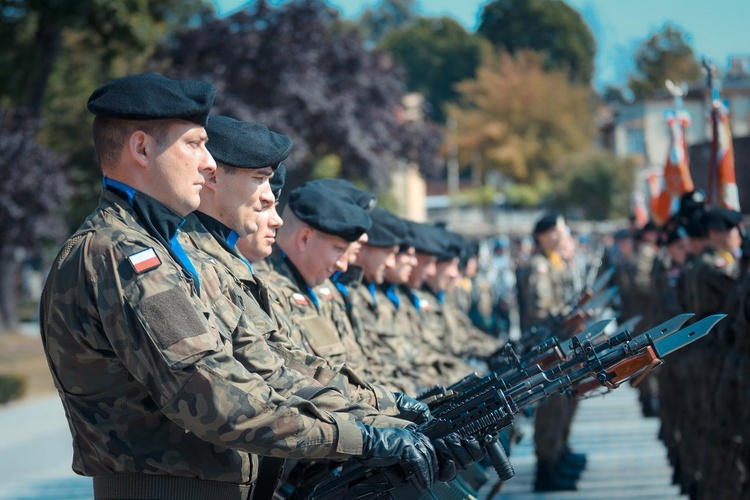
(568, 470)
(574, 459)
(548, 479)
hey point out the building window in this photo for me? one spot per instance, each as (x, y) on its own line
(635, 141)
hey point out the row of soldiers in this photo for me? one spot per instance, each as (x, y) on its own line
(190, 329)
(198, 339)
(696, 263)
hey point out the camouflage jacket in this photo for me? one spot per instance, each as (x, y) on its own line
(545, 290)
(709, 281)
(142, 354)
(251, 292)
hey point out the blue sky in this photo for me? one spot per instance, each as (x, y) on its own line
(717, 28)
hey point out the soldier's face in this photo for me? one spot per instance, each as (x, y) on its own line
(404, 264)
(241, 195)
(178, 166)
(355, 247)
(375, 260)
(424, 269)
(259, 245)
(678, 251)
(324, 255)
(446, 273)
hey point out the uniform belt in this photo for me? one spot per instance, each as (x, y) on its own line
(162, 487)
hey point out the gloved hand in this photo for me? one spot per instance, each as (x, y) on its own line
(455, 452)
(412, 410)
(412, 450)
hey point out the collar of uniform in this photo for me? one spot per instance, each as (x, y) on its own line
(390, 291)
(160, 221)
(209, 242)
(280, 261)
(353, 275)
(223, 234)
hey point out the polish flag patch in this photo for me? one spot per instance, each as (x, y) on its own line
(300, 299)
(326, 292)
(144, 260)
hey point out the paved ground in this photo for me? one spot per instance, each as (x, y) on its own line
(626, 460)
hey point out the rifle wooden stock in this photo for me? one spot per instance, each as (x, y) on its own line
(635, 368)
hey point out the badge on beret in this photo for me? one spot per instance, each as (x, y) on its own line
(326, 292)
(300, 299)
(144, 260)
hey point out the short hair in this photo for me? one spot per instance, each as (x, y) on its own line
(110, 135)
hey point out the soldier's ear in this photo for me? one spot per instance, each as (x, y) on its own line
(304, 238)
(138, 147)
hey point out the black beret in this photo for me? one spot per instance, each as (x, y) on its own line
(694, 224)
(245, 144)
(277, 181)
(387, 230)
(691, 202)
(328, 211)
(674, 234)
(721, 219)
(455, 246)
(148, 96)
(547, 222)
(364, 199)
(435, 240)
(622, 234)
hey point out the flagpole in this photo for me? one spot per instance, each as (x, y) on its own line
(713, 166)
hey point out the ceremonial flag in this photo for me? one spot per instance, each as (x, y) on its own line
(726, 184)
(640, 211)
(676, 180)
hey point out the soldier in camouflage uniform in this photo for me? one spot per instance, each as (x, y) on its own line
(171, 412)
(547, 284)
(711, 279)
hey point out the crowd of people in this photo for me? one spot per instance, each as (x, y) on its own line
(207, 343)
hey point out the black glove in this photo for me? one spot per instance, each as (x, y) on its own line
(455, 452)
(412, 410)
(386, 446)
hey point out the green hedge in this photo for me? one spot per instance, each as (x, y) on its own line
(11, 387)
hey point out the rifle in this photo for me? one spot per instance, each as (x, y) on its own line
(490, 405)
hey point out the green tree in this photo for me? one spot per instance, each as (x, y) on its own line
(550, 27)
(596, 185)
(437, 53)
(666, 54)
(389, 15)
(523, 121)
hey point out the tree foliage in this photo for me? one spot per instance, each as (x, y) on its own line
(523, 120)
(293, 68)
(34, 187)
(550, 27)
(596, 186)
(375, 23)
(437, 53)
(666, 54)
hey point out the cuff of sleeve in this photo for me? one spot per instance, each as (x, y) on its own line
(385, 400)
(349, 440)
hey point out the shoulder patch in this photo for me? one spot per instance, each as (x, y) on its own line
(326, 292)
(424, 305)
(300, 299)
(145, 260)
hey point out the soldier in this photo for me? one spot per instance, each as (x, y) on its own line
(171, 413)
(244, 149)
(547, 281)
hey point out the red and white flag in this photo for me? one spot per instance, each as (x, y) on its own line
(726, 184)
(145, 260)
(676, 180)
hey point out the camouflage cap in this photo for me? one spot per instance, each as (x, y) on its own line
(245, 144)
(148, 96)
